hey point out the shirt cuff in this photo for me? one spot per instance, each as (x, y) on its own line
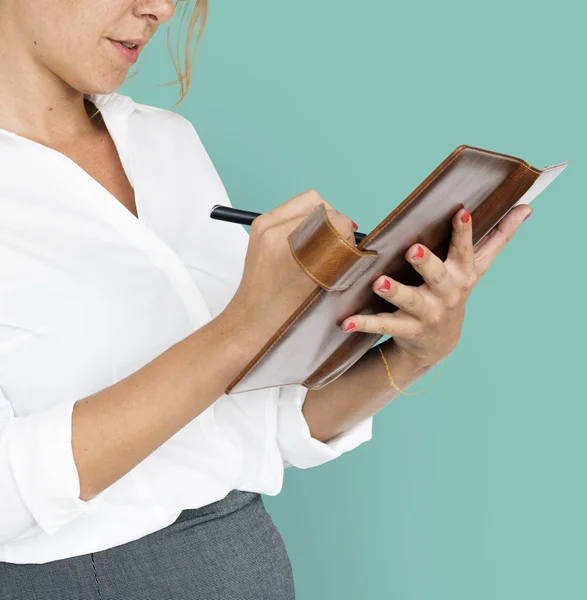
(298, 448)
(41, 459)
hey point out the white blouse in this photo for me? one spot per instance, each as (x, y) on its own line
(88, 295)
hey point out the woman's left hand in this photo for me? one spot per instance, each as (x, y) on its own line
(427, 326)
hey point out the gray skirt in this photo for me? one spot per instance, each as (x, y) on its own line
(227, 550)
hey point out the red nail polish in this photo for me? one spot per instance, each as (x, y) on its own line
(419, 253)
(355, 225)
(526, 216)
(350, 326)
(385, 286)
(466, 217)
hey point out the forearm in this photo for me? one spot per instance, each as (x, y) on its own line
(360, 392)
(115, 429)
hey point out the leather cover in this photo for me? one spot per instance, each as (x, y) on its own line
(310, 348)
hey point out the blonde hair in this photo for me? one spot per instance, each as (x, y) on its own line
(199, 13)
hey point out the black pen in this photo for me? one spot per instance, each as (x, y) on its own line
(245, 217)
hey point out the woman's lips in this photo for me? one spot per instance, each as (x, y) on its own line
(130, 54)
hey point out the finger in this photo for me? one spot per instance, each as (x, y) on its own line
(495, 241)
(460, 252)
(394, 324)
(282, 228)
(296, 212)
(298, 206)
(432, 269)
(343, 225)
(405, 297)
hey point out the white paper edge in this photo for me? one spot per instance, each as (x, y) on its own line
(548, 175)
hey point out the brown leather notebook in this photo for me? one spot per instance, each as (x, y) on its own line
(310, 348)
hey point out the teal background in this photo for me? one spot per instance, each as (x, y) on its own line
(476, 488)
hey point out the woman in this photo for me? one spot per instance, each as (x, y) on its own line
(125, 471)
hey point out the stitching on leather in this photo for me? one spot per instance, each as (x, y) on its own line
(531, 168)
(358, 255)
(511, 159)
(304, 223)
(308, 273)
(96, 576)
(311, 275)
(354, 249)
(350, 274)
(440, 172)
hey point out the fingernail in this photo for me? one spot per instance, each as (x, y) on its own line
(349, 326)
(527, 216)
(419, 253)
(466, 216)
(385, 286)
(355, 225)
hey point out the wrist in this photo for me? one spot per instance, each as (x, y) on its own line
(404, 362)
(243, 339)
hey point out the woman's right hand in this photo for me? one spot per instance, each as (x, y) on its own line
(273, 285)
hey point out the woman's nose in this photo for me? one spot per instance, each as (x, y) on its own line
(158, 10)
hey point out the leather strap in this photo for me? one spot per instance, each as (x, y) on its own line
(325, 255)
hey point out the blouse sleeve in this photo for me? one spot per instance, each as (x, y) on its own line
(39, 483)
(298, 448)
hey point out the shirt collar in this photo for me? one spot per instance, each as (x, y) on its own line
(112, 101)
